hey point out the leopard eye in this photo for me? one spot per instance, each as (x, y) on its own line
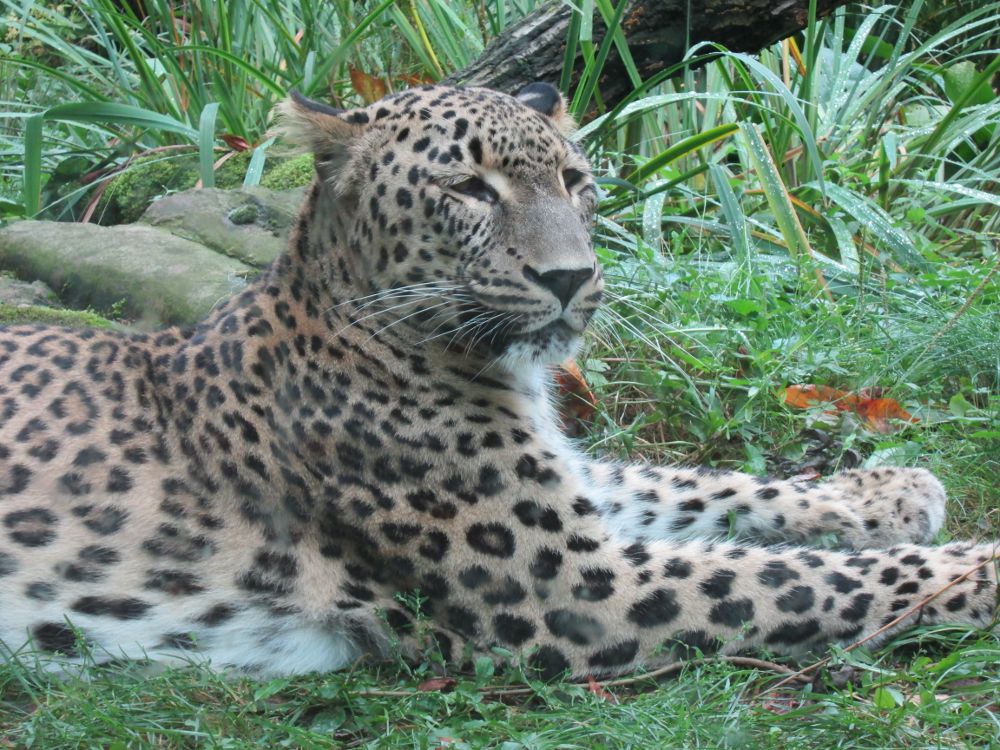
(474, 187)
(572, 177)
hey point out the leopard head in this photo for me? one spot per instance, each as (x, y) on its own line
(464, 215)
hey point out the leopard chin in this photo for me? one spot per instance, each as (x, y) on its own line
(550, 345)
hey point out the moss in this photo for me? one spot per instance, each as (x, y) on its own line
(230, 175)
(13, 316)
(289, 173)
(245, 214)
(131, 192)
(150, 177)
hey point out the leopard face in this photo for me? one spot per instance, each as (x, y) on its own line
(470, 215)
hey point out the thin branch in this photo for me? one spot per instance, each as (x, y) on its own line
(668, 670)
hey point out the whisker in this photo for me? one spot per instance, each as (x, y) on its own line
(389, 292)
(387, 326)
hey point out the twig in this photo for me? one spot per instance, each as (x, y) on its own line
(669, 669)
(802, 673)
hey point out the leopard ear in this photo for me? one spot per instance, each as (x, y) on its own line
(325, 131)
(547, 99)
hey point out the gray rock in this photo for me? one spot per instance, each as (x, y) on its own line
(142, 272)
(250, 225)
(25, 294)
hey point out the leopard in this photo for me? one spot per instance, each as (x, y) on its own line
(357, 456)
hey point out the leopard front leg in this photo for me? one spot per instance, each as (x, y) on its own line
(895, 505)
(856, 509)
(563, 600)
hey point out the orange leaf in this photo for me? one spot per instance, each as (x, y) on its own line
(806, 396)
(416, 79)
(878, 411)
(875, 412)
(437, 685)
(578, 401)
(597, 689)
(370, 88)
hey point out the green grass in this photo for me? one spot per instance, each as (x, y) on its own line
(764, 223)
(935, 690)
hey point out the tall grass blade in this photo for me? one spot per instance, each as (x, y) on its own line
(206, 144)
(118, 114)
(255, 169)
(806, 133)
(776, 194)
(682, 148)
(253, 73)
(735, 218)
(592, 72)
(879, 224)
(32, 164)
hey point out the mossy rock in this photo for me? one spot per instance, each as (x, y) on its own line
(150, 177)
(250, 225)
(128, 194)
(34, 314)
(16, 293)
(143, 273)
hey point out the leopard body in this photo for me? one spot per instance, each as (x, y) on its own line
(369, 425)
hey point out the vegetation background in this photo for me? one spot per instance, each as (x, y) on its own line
(821, 214)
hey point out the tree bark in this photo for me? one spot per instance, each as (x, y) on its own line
(658, 32)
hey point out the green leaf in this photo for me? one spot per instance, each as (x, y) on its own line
(887, 697)
(927, 148)
(878, 224)
(958, 406)
(11, 209)
(206, 144)
(776, 193)
(961, 80)
(118, 114)
(255, 169)
(484, 669)
(32, 164)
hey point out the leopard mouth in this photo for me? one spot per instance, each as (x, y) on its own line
(557, 334)
(557, 329)
(494, 331)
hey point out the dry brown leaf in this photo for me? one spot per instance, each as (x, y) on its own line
(577, 402)
(368, 87)
(236, 142)
(437, 685)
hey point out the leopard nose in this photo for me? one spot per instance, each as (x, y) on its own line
(563, 283)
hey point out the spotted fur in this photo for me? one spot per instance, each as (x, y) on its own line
(371, 418)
